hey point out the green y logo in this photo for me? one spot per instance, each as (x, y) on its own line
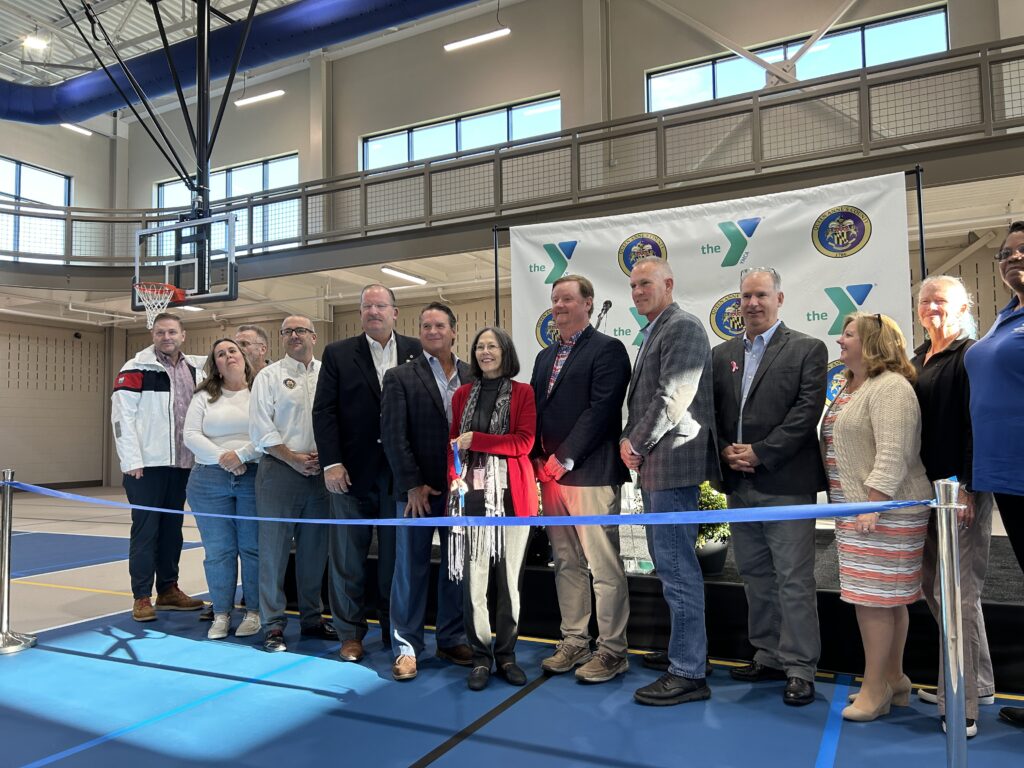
(640, 321)
(559, 254)
(738, 233)
(846, 302)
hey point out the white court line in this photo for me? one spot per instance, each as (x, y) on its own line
(23, 533)
(65, 533)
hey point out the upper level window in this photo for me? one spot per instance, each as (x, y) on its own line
(29, 231)
(247, 179)
(445, 137)
(864, 45)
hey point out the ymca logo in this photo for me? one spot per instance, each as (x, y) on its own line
(738, 233)
(846, 300)
(559, 253)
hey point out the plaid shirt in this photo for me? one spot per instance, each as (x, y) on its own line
(564, 348)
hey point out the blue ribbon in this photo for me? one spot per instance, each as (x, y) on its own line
(739, 515)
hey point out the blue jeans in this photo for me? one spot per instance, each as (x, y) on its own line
(212, 489)
(681, 580)
(409, 587)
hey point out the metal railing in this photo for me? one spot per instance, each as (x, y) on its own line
(962, 95)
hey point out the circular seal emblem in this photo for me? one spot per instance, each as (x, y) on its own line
(726, 320)
(290, 383)
(841, 232)
(545, 330)
(642, 245)
(835, 380)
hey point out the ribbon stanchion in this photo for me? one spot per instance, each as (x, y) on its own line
(10, 641)
(738, 515)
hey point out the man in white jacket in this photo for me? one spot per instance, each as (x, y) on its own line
(151, 396)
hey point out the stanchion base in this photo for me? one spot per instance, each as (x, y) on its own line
(12, 642)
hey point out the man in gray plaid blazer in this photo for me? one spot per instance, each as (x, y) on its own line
(669, 440)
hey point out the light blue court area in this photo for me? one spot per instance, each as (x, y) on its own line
(111, 692)
(33, 553)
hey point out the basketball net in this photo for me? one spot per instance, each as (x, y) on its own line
(156, 297)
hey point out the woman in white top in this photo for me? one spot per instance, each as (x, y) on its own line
(223, 482)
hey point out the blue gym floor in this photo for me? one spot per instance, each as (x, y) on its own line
(33, 553)
(111, 692)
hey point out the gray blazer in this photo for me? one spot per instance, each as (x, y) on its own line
(780, 418)
(671, 406)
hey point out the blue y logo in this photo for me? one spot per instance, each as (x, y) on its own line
(846, 302)
(738, 233)
(559, 255)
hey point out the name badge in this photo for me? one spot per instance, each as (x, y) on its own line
(479, 478)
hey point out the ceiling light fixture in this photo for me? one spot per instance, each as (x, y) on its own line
(262, 97)
(76, 129)
(403, 275)
(495, 34)
(35, 43)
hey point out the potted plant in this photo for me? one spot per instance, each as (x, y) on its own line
(712, 538)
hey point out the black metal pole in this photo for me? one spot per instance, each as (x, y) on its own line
(919, 180)
(201, 204)
(497, 287)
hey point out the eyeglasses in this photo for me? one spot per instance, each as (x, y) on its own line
(378, 307)
(1006, 253)
(300, 332)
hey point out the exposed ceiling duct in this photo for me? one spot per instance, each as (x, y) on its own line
(284, 32)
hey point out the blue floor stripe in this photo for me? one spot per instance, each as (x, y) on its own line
(37, 552)
(829, 746)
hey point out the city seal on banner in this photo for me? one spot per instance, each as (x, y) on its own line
(642, 245)
(835, 380)
(546, 332)
(840, 232)
(726, 320)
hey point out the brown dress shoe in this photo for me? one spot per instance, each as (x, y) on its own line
(404, 668)
(142, 610)
(351, 650)
(460, 654)
(174, 599)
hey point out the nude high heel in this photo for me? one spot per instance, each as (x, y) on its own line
(861, 715)
(901, 691)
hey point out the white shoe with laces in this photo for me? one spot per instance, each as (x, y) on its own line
(219, 628)
(250, 625)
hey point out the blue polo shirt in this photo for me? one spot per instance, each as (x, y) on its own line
(995, 367)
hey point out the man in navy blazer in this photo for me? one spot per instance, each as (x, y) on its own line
(769, 395)
(416, 414)
(579, 384)
(346, 423)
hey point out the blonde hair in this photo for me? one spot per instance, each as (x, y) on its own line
(883, 346)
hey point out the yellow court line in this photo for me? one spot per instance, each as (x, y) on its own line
(75, 589)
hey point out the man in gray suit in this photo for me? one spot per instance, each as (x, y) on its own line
(669, 440)
(769, 388)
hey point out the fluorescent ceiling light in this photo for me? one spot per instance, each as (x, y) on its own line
(191, 308)
(35, 43)
(478, 39)
(403, 275)
(76, 129)
(262, 97)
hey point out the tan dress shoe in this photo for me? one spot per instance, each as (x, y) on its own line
(404, 668)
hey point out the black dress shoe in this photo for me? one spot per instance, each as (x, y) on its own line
(274, 642)
(478, 678)
(755, 672)
(324, 630)
(1013, 715)
(512, 673)
(798, 692)
(671, 689)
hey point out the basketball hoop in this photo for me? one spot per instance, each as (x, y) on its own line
(155, 297)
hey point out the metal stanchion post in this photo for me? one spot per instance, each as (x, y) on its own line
(946, 494)
(10, 642)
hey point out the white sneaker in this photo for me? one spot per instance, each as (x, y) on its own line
(971, 729)
(931, 697)
(219, 628)
(250, 625)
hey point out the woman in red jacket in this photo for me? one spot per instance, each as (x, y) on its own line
(494, 420)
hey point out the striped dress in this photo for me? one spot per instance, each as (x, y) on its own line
(882, 568)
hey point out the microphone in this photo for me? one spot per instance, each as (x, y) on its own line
(600, 315)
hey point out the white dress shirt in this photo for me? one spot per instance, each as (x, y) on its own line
(281, 405)
(384, 357)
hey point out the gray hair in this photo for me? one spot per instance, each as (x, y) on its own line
(968, 323)
(260, 333)
(307, 318)
(776, 277)
(661, 265)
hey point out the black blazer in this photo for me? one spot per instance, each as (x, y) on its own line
(582, 417)
(414, 427)
(346, 410)
(780, 420)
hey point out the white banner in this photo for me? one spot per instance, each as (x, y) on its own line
(839, 248)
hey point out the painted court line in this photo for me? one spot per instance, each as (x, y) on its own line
(834, 724)
(75, 589)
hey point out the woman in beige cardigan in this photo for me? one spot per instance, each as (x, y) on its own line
(871, 440)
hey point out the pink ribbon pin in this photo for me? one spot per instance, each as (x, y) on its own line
(735, 367)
